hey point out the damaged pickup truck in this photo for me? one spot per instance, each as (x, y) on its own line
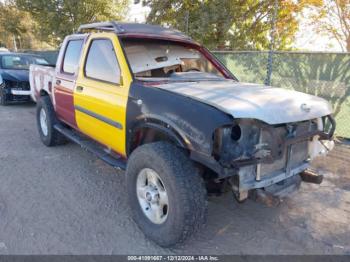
(153, 102)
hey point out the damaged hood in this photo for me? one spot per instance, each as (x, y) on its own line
(242, 100)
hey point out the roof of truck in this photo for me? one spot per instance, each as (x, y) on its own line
(137, 30)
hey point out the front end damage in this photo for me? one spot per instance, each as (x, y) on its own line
(270, 157)
(17, 91)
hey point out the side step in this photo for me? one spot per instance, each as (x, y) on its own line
(91, 146)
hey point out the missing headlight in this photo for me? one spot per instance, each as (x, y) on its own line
(236, 142)
(236, 132)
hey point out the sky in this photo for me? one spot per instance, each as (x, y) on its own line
(306, 39)
(138, 13)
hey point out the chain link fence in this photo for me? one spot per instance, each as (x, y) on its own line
(322, 74)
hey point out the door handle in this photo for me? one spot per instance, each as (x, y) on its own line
(80, 89)
(58, 82)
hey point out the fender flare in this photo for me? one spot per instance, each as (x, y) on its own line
(162, 125)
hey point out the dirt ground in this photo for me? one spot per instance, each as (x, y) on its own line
(64, 200)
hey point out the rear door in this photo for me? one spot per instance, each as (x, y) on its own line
(101, 92)
(66, 76)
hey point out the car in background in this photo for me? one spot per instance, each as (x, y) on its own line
(14, 72)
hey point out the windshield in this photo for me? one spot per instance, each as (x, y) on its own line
(163, 59)
(21, 62)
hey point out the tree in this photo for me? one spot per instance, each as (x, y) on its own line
(237, 24)
(17, 28)
(332, 17)
(58, 18)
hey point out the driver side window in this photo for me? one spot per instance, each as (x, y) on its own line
(101, 62)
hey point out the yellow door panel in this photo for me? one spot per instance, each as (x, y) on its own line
(100, 107)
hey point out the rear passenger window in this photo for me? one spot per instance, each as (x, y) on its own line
(101, 62)
(72, 56)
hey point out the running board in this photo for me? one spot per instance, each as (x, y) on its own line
(91, 146)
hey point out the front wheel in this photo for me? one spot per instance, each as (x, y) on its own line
(166, 193)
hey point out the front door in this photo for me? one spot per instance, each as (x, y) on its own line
(101, 92)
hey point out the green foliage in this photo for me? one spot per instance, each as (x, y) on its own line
(58, 18)
(17, 28)
(236, 24)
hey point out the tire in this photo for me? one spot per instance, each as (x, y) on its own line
(49, 136)
(185, 190)
(3, 100)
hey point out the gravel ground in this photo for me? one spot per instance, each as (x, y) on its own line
(64, 200)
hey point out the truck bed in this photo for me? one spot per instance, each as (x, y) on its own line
(41, 78)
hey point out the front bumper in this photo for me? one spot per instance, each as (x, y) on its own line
(17, 91)
(17, 87)
(20, 92)
(272, 178)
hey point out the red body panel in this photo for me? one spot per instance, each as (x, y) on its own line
(64, 87)
(65, 105)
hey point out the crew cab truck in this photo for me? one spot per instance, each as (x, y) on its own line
(154, 102)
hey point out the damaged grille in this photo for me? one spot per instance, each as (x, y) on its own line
(298, 151)
(18, 85)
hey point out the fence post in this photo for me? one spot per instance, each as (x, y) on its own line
(272, 45)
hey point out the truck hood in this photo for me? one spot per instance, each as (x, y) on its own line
(243, 100)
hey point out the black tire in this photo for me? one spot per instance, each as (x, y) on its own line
(185, 189)
(53, 137)
(3, 99)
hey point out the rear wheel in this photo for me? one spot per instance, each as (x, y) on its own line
(46, 119)
(166, 193)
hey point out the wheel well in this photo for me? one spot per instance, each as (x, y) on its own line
(150, 134)
(43, 93)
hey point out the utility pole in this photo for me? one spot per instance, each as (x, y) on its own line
(272, 44)
(187, 18)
